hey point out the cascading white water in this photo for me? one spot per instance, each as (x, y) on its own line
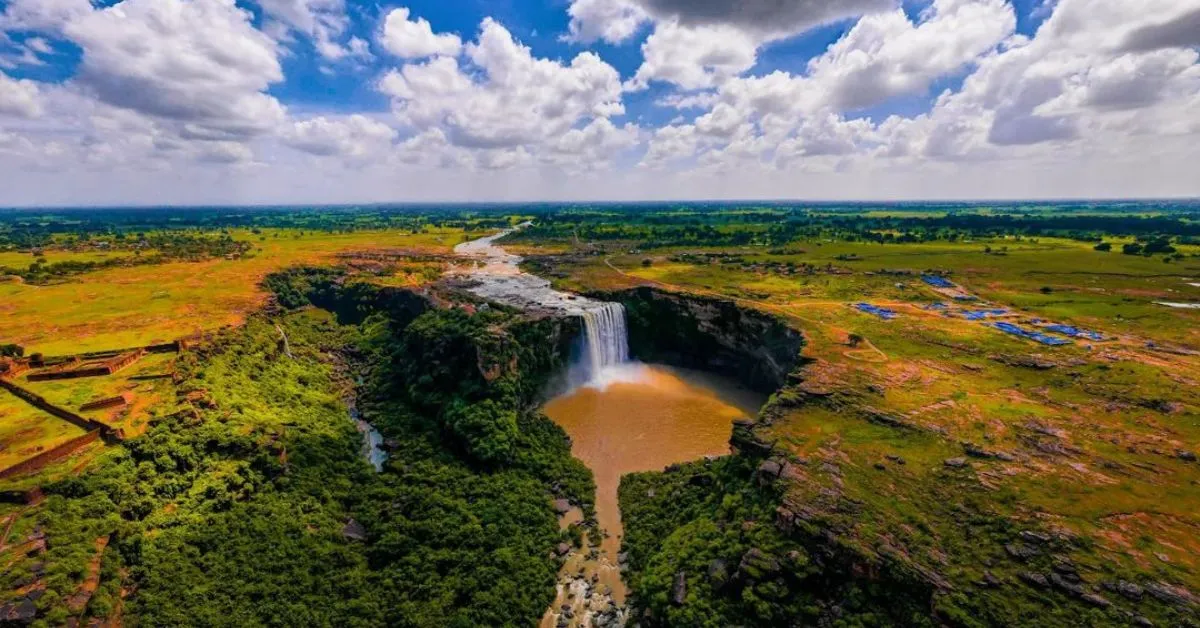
(604, 358)
(606, 341)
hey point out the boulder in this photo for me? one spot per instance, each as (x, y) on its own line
(1095, 600)
(562, 549)
(1020, 551)
(768, 472)
(1034, 537)
(1035, 580)
(1167, 594)
(975, 451)
(989, 580)
(562, 506)
(1127, 589)
(1066, 586)
(955, 463)
(22, 612)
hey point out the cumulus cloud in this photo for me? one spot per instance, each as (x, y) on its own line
(1067, 85)
(355, 137)
(614, 21)
(42, 15)
(763, 17)
(199, 64)
(415, 39)
(1101, 100)
(593, 146)
(504, 97)
(1180, 31)
(695, 57)
(20, 98)
(322, 20)
(886, 55)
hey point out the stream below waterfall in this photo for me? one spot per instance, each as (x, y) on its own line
(622, 417)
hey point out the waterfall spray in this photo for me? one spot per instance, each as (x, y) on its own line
(606, 342)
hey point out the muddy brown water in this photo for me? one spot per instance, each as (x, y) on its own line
(648, 417)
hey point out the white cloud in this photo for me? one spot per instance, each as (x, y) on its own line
(20, 98)
(885, 55)
(1101, 101)
(614, 21)
(592, 147)
(39, 45)
(695, 57)
(42, 15)
(199, 65)
(671, 143)
(324, 21)
(354, 137)
(765, 18)
(509, 98)
(415, 39)
(696, 100)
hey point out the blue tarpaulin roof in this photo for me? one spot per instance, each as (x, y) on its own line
(881, 312)
(978, 315)
(937, 282)
(1015, 330)
(1074, 332)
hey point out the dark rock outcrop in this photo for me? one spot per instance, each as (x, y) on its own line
(706, 333)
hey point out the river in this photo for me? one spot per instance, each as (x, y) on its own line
(622, 417)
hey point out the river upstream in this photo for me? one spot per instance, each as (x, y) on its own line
(622, 417)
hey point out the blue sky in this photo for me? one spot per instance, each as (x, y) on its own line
(345, 100)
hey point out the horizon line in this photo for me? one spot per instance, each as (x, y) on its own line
(507, 203)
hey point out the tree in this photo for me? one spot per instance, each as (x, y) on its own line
(646, 262)
(1133, 248)
(855, 340)
(11, 351)
(1161, 244)
(1103, 247)
(487, 430)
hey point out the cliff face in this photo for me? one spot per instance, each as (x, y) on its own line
(709, 334)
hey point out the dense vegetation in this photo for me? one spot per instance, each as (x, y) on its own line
(704, 551)
(120, 227)
(235, 510)
(732, 226)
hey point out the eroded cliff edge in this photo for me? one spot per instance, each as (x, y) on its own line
(709, 334)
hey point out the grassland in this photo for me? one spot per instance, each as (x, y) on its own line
(930, 441)
(141, 305)
(1092, 442)
(20, 260)
(26, 431)
(148, 304)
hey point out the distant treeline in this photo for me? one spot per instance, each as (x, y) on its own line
(779, 227)
(135, 251)
(24, 229)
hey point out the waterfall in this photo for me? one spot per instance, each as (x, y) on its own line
(606, 342)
